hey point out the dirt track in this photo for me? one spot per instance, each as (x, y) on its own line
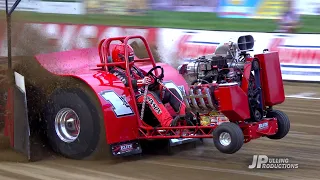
(301, 146)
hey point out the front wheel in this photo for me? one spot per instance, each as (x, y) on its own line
(228, 138)
(73, 124)
(283, 124)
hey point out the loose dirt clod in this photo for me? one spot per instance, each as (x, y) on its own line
(27, 42)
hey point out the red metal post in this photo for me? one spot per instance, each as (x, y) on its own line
(104, 52)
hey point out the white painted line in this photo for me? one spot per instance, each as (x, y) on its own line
(300, 112)
(305, 95)
(299, 97)
(305, 125)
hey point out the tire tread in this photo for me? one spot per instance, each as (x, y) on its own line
(236, 133)
(283, 124)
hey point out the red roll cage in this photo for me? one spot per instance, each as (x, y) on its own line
(104, 53)
(146, 131)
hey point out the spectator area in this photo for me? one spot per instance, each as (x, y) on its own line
(160, 18)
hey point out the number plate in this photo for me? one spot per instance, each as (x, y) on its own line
(120, 106)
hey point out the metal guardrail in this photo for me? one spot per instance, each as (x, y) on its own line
(25, 5)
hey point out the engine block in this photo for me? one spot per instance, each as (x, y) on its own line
(212, 69)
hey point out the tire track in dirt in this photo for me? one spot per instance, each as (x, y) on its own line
(300, 146)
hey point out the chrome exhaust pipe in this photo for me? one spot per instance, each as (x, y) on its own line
(186, 100)
(209, 99)
(200, 96)
(193, 100)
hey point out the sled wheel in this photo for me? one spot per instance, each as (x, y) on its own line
(228, 138)
(73, 123)
(283, 124)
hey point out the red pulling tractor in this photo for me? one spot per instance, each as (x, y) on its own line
(79, 108)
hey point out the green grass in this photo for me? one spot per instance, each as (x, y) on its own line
(185, 20)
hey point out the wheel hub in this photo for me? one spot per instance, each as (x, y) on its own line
(67, 125)
(225, 139)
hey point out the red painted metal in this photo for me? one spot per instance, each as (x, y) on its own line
(8, 117)
(271, 78)
(246, 76)
(176, 132)
(233, 102)
(252, 131)
(89, 65)
(104, 53)
(82, 64)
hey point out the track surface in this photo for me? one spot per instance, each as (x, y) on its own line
(302, 146)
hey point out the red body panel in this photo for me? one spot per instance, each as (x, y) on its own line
(233, 102)
(246, 76)
(271, 78)
(81, 64)
(77, 64)
(258, 129)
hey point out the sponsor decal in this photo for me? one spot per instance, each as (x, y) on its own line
(155, 107)
(122, 78)
(295, 54)
(126, 147)
(264, 125)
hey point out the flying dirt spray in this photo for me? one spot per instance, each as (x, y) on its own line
(14, 123)
(23, 145)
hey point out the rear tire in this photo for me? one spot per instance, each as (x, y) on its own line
(84, 142)
(228, 138)
(283, 124)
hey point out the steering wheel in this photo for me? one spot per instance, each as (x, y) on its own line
(158, 78)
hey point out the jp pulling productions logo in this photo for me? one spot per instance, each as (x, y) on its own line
(265, 162)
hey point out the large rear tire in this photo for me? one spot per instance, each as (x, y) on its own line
(228, 138)
(75, 127)
(283, 124)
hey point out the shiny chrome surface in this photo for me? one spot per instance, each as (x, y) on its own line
(67, 125)
(199, 99)
(225, 139)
